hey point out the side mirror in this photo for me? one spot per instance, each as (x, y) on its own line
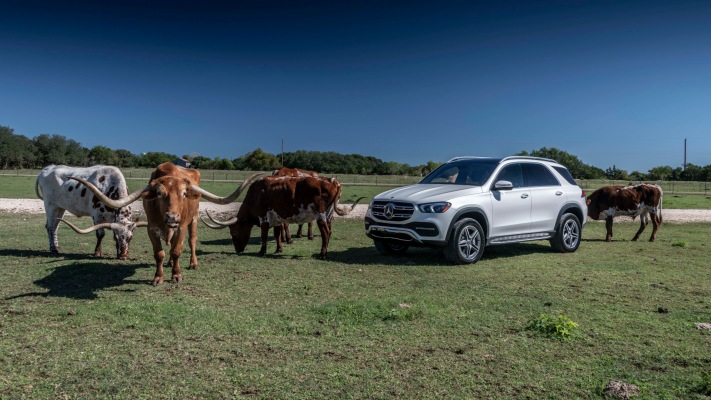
(503, 185)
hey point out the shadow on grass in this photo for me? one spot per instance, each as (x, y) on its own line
(43, 254)
(430, 256)
(82, 281)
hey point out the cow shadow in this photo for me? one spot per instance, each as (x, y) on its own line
(83, 280)
(44, 255)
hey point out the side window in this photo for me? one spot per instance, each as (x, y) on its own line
(513, 174)
(538, 175)
(566, 174)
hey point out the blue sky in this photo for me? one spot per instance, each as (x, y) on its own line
(613, 82)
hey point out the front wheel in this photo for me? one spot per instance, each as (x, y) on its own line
(567, 234)
(466, 245)
(392, 248)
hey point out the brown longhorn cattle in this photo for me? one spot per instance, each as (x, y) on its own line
(295, 172)
(640, 200)
(273, 201)
(171, 201)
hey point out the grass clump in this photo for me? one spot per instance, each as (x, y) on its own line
(559, 326)
(680, 243)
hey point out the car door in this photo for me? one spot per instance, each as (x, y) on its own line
(547, 196)
(511, 208)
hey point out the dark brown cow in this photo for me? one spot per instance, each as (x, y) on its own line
(171, 201)
(273, 201)
(295, 172)
(640, 200)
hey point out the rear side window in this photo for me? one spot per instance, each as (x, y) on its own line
(566, 174)
(539, 175)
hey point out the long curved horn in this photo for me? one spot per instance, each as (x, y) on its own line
(210, 225)
(140, 224)
(105, 225)
(120, 203)
(221, 223)
(228, 199)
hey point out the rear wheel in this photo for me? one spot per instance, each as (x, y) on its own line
(393, 248)
(567, 234)
(466, 245)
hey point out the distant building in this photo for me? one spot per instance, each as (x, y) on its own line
(182, 163)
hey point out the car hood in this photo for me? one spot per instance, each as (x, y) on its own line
(424, 192)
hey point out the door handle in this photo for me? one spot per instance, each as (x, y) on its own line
(558, 193)
(524, 196)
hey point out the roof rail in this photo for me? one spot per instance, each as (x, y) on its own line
(529, 158)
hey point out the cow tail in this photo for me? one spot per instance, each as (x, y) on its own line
(661, 202)
(37, 189)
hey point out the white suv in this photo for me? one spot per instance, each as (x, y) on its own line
(472, 202)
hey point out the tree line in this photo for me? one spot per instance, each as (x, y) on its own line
(18, 152)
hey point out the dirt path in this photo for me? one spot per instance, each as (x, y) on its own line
(36, 206)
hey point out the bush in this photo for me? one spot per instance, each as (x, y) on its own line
(559, 326)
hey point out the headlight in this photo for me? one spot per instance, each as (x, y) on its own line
(434, 207)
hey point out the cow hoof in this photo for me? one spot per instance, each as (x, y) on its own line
(192, 266)
(177, 278)
(158, 280)
(98, 255)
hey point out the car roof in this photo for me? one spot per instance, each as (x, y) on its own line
(500, 160)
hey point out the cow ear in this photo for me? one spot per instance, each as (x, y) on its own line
(150, 194)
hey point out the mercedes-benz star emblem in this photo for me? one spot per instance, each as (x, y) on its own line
(389, 210)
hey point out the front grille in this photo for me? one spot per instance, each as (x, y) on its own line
(392, 210)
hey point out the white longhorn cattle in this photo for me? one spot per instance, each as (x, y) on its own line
(62, 194)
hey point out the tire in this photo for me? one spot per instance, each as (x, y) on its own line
(391, 248)
(567, 235)
(466, 245)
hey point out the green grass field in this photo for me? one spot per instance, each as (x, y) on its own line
(357, 325)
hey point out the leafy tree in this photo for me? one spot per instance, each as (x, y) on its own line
(57, 149)
(692, 173)
(258, 160)
(223, 164)
(638, 176)
(660, 173)
(201, 162)
(616, 174)
(102, 155)
(16, 151)
(125, 159)
(576, 167)
(154, 158)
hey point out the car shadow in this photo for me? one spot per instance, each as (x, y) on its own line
(429, 256)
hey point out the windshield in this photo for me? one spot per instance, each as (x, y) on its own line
(472, 172)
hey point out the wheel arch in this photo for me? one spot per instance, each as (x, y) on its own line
(572, 208)
(475, 213)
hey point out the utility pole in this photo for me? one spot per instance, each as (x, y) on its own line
(684, 154)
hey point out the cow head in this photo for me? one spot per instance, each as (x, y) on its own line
(123, 233)
(170, 194)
